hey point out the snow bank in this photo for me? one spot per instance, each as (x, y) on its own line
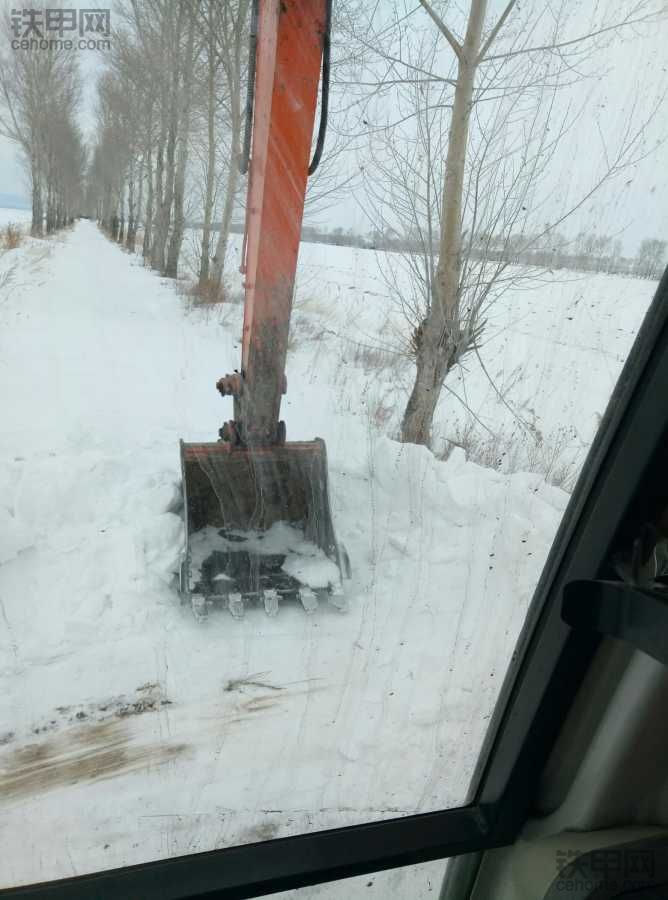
(265, 726)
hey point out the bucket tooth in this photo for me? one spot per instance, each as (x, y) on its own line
(337, 598)
(199, 607)
(235, 604)
(344, 562)
(184, 580)
(270, 598)
(308, 599)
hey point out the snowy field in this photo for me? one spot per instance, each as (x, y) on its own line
(20, 217)
(131, 732)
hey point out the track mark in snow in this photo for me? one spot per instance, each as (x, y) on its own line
(405, 681)
(13, 643)
(235, 684)
(150, 698)
(84, 754)
(242, 711)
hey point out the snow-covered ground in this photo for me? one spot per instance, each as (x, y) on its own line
(20, 217)
(130, 731)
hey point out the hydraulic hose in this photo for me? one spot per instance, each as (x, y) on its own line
(250, 89)
(324, 100)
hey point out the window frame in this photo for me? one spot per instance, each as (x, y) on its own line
(545, 671)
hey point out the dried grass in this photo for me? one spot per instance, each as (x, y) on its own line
(546, 456)
(12, 236)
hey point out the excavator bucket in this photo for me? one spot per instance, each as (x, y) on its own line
(258, 521)
(258, 527)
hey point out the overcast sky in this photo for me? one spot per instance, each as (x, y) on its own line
(634, 207)
(13, 179)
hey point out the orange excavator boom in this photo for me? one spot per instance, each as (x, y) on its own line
(289, 53)
(252, 481)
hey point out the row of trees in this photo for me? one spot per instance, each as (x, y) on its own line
(39, 100)
(169, 129)
(456, 117)
(587, 252)
(171, 125)
(651, 258)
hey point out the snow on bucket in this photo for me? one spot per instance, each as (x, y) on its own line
(258, 527)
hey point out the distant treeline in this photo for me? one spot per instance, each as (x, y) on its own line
(585, 253)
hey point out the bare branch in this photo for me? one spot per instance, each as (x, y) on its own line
(578, 40)
(494, 32)
(443, 28)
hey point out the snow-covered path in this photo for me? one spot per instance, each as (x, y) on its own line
(129, 732)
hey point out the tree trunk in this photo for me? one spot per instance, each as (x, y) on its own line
(218, 259)
(130, 234)
(211, 159)
(159, 170)
(148, 219)
(234, 67)
(182, 159)
(176, 239)
(107, 209)
(49, 206)
(121, 221)
(157, 198)
(37, 210)
(438, 344)
(165, 208)
(433, 362)
(140, 204)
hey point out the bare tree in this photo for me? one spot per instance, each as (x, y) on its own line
(113, 157)
(145, 101)
(39, 96)
(231, 36)
(171, 121)
(184, 118)
(473, 126)
(212, 82)
(173, 17)
(651, 258)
